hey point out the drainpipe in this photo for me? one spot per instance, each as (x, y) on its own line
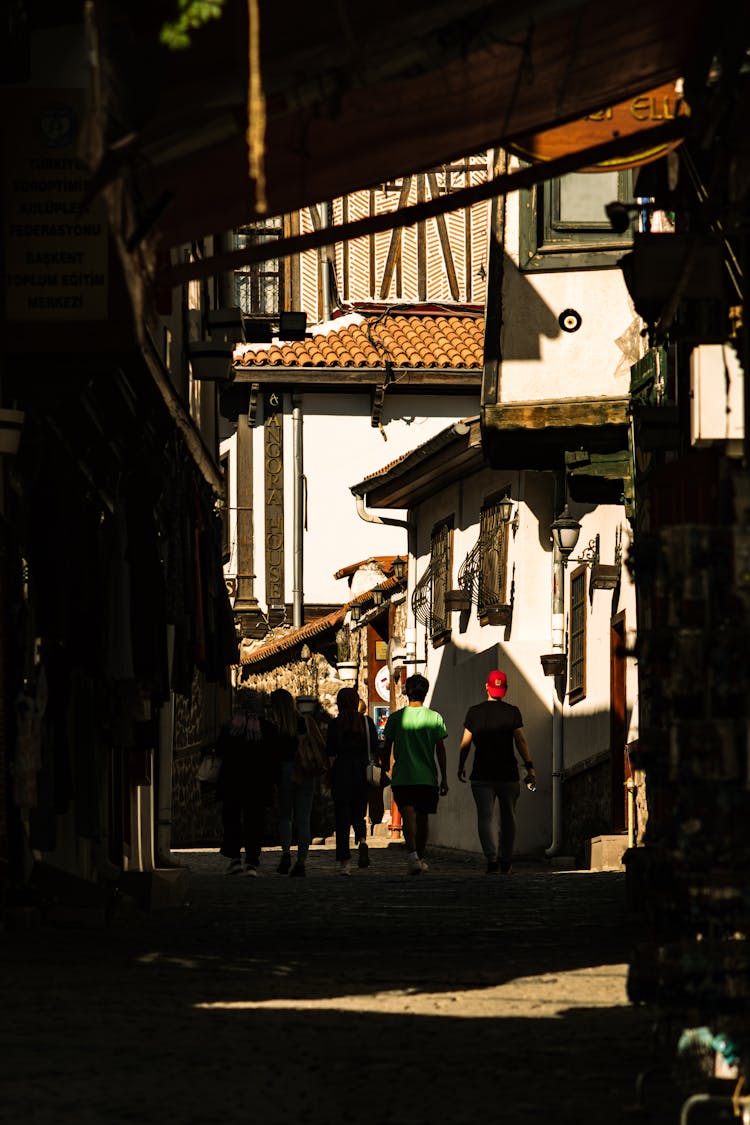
(391, 521)
(299, 514)
(558, 694)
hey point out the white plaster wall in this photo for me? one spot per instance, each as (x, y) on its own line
(716, 394)
(229, 446)
(341, 447)
(540, 360)
(458, 670)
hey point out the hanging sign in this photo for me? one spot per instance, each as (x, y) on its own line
(273, 456)
(638, 114)
(383, 683)
(55, 238)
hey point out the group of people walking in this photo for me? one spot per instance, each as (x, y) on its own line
(261, 755)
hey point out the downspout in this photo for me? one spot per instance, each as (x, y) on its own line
(299, 515)
(391, 521)
(558, 694)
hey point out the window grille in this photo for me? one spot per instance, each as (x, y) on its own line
(428, 600)
(577, 645)
(257, 286)
(484, 571)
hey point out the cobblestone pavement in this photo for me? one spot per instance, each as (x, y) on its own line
(448, 997)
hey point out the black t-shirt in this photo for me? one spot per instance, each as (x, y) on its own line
(492, 724)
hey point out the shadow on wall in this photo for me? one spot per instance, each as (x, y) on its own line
(458, 685)
(521, 334)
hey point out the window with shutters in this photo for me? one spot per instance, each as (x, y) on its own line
(577, 638)
(564, 224)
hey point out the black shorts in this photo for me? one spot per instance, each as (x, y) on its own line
(422, 798)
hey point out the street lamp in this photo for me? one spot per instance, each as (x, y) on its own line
(399, 567)
(565, 532)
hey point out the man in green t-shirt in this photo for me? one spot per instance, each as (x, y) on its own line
(414, 735)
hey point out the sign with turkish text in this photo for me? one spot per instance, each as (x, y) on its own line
(273, 456)
(638, 114)
(55, 241)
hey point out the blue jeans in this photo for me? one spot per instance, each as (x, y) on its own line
(295, 806)
(506, 793)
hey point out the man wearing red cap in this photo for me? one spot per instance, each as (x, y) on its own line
(496, 729)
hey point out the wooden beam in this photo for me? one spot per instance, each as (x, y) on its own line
(421, 243)
(394, 249)
(361, 378)
(418, 212)
(556, 415)
(610, 466)
(445, 242)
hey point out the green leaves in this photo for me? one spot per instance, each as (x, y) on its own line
(193, 14)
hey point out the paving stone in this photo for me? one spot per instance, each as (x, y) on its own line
(448, 997)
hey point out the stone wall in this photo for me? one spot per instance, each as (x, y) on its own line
(587, 806)
(196, 816)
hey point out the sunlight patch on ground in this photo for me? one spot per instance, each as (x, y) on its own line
(545, 996)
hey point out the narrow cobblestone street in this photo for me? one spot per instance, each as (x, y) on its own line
(450, 997)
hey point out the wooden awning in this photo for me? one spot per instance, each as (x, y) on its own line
(450, 455)
(536, 435)
(354, 95)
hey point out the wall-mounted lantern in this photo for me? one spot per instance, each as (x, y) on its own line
(355, 611)
(399, 567)
(377, 596)
(505, 507)
(565, 532)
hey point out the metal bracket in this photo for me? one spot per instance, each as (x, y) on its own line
(252, 403)
(378, 396)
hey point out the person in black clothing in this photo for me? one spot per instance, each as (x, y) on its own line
(352, 739)
(295, 790)
(496, 729)
(245, 786)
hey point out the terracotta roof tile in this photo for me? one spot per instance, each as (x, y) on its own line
(273, 650)
(396, 338)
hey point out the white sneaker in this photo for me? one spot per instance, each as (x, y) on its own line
(345, 867)
(234, 868)
(251, 871)
(423, 865)
(415, 866)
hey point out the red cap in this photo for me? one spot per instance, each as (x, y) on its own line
(497, 684)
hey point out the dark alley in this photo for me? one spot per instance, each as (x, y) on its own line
(378, 998)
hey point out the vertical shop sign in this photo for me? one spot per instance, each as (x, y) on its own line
(273, 454)
(55, 241)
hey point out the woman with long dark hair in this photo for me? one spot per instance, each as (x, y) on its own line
(295, 790)
(245, 785)
(352, 738)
